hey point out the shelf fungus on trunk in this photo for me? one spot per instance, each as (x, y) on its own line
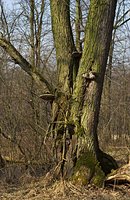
(90, 75)
(47, 97)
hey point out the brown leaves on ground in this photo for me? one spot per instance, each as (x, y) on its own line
(38, 190)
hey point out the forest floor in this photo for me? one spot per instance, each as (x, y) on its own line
(38, 190)
(30, 188)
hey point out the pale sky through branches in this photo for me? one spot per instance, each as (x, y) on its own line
(8, 3)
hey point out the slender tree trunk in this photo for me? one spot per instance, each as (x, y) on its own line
(64, 43)
(32, 34)
(39, 17)
(109, 72)
(78, 25)
(78, 20)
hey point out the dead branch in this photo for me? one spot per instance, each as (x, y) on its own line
(24, 64)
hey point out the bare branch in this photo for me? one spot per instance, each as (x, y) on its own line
(121, 20)
(4, 22)
(121, 24)
(24, 64)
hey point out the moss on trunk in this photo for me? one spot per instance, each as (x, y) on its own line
(81, 104)
(88, 170)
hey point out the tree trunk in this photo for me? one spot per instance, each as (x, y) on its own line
(90, 78)
(86, 97)
(64, 43)
(76, 105)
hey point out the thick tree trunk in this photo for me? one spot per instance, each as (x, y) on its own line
(84, 105)
(90, 78)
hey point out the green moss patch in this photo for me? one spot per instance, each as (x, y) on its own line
(87, 170)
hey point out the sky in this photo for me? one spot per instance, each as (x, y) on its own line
(9, 3)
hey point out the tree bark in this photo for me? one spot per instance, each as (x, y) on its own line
(90, 78)
(85, 103)
(64, 43)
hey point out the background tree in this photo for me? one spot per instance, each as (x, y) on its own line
(116, 65)
(20, 93)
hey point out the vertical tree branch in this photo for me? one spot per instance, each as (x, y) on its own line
(64, 43)
(38, 34)
(32, 20)
(77, 25)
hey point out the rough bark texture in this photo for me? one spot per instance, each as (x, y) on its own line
(88, 90)
(89, 82)
(85, 103)
(64, 43)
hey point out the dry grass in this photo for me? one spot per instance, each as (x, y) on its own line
(43, 188)
(38, 190)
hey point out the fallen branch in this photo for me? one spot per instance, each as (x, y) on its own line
(119, 176)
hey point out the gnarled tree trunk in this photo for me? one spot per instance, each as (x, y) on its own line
(81, 104)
